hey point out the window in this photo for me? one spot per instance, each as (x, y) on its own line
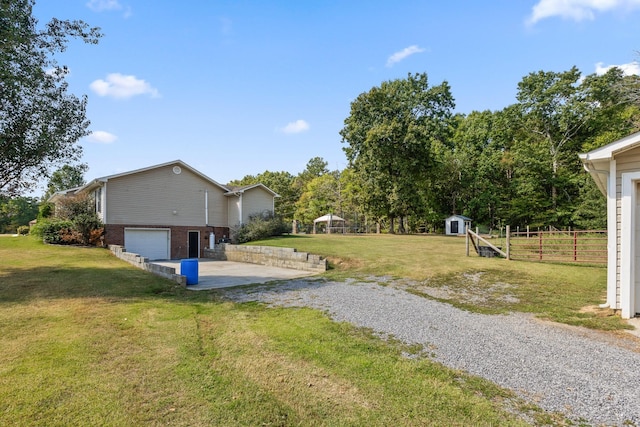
(98, 198)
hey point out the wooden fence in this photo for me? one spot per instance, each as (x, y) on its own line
(576, 246)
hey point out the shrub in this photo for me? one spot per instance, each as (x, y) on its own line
(260, 226)
(54, 231)
(23, 230)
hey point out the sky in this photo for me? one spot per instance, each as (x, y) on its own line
(236, 88)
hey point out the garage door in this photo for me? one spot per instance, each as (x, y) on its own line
(149, 243)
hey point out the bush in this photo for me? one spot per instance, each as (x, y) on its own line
(260, 226)
(23, 230)
(55, 231)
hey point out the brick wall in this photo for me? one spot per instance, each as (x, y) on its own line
(114, 235)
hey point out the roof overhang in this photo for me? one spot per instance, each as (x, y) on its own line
(597, 162)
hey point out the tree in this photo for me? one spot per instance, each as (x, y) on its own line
(16, 212)
(40, 122)
(65, 178)
(321, 196)
(389, 133)
(316, 167)
(554, 110)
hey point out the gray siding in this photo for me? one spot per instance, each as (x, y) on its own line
(254, 201)
(161, 197)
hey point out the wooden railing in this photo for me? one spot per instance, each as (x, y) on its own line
(576, 246)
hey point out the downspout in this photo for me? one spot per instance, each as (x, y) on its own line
(206, 208)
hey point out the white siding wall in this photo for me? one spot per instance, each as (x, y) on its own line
(629, 161)
(233, 210)
(151, 198)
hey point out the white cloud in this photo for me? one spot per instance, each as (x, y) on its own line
(102, 137)
(577, 10)
(404, 53)
(120, 86)
(296, 127)
(630, 69)
(102, 5)
(109, 5)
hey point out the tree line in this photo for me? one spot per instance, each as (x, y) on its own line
(413, 161)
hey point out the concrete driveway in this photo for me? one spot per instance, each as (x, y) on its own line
(224, 274)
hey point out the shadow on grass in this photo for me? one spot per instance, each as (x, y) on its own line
(23, 285)
(125, 283)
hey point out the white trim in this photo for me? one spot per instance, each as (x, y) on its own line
(627, 244)
(104, 203)
(612, 236)
(608, 151)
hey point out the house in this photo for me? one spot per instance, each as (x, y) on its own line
(616, 170)
(171, 211)
(456, 225)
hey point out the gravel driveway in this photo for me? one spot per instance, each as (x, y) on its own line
(584, 374)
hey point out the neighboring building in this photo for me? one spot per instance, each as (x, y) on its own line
(616, 171)
(171, 211)
(456, 225)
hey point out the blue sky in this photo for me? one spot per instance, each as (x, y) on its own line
(240, 87)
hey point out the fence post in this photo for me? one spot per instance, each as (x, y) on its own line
(540, 246)
(575, 246)
(467, 241)
(508, 242)
(527, 231)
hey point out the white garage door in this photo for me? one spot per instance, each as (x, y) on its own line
(149, 243)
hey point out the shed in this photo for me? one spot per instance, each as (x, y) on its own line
(456, 225)
(330, 219)
(616, 170)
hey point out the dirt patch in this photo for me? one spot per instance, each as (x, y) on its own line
(467, 288)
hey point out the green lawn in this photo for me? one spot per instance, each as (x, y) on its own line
(87, 339)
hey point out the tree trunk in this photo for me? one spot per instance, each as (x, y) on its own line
(392, 225)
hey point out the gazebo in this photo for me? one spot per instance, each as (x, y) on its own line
(329, 219)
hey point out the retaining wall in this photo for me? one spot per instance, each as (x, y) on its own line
(267, 255)
(144, 264)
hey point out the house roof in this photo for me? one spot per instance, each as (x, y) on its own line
(596, 162)
(98, 181)
(62, 193)
(460, 216)
(239, 189)
(609, 151)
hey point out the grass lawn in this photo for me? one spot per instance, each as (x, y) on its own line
(87, 339)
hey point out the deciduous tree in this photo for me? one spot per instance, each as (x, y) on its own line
(389, 133)
(40, 121)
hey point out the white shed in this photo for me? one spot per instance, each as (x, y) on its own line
(456, 225)
(616, 170)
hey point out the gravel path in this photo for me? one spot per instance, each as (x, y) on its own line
(580, 373)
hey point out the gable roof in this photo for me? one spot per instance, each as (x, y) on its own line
(609, 151)
(596, 162)
(239, 189)
(460, 216)
(98, 181)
